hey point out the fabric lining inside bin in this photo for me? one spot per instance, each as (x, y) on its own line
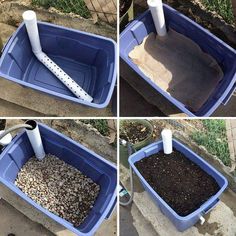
(178, 66)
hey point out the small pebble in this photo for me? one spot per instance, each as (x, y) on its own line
(58, 187)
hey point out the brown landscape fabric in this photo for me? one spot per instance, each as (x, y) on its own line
(178, 66)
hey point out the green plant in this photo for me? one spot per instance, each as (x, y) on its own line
(214, 139)
(67, 6)
(101, 125)
(222, 7)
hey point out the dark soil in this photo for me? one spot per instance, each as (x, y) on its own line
(133, 132)
(179, 181)
(124, 6)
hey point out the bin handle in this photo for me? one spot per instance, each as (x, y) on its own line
(111, 209)
(229, 95)
(212, 205)
(4, 46)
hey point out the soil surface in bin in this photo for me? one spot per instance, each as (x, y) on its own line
(180, 182)
(134, 132)
(58, 187)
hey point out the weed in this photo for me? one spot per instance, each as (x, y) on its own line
(101, 125)
(66, 6)
(214, 139)
(222, 7)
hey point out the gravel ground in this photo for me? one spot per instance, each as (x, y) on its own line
(58, 187)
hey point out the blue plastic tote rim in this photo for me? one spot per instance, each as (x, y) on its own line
(7, 45)
(106, 214)
(225, 96)
(204, 208)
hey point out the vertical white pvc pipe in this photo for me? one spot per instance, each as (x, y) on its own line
(35, 139)
(30, 20)
(156, 8)
(167, 141)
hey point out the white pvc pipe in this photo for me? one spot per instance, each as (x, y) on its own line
(30, 20)
(35, 139)
(6, 139)
(167, 141)
(202, 220)
(123, 142)
(156, 8)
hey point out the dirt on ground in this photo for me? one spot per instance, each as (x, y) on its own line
(209, 20)
(180, 182)
(124, 6)
(133, 131)
(195, 10)
(11, 15)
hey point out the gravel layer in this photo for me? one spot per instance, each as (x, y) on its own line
(58, 187)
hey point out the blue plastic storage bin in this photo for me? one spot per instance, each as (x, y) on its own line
(16, 154)
(137, 30)
(181, 222)
(89, 59)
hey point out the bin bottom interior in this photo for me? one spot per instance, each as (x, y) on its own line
(182, 184)
(39, 75)
(178, 66)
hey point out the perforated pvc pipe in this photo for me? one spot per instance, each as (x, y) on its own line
(63, 77)
(30, 20)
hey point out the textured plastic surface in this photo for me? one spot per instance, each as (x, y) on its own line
(180, 222)
(89, 59)
(135, 32)
(16, 154)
